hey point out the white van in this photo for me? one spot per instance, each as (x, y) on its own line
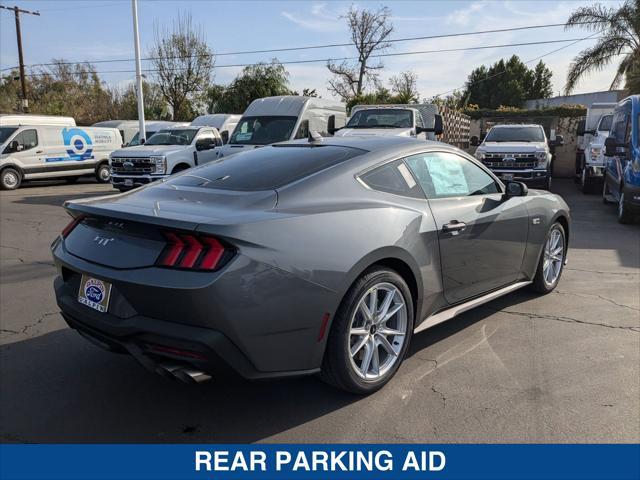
(277, 119)
(152, 127)
(127, 128)
(224, 122)
(31, 152)
(13, 120)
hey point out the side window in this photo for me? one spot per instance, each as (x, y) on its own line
(27, 139)
(443, 175)
(393, 177)
(303, 129)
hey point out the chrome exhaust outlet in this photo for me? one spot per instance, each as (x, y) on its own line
(188, 375)
(167, 370)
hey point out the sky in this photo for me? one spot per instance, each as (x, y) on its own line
(94, 30)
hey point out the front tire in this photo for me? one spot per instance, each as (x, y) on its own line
(10, 179)
(370, 333)
(551, 260)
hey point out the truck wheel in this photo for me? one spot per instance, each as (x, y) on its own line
(10, 179)
(624, 215)
(103, 173)
(586, 181)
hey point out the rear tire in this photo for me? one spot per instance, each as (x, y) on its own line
(10, 179)
(103, 173)
(624, 215)
(586, 182)
(551, 261)
(357, 357)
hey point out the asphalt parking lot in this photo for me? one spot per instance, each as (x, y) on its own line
(559, 368)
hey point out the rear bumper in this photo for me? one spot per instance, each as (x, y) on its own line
(255, 320)
(153, 342)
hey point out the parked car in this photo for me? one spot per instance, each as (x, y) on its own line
(590, 171)
(36, 152)
(277, 119)
(127, 128)
(152, 127)
(622, 150)
(166, 152)
(303, 258)
(11, 120)
(417, 121)
(518, 152)
(224, 122)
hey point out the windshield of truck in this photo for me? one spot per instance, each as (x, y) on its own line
(605, 123)
(136, 138)
(263, 130)
(515, 134)
(5, 133)
(173, 136)
(381, 118)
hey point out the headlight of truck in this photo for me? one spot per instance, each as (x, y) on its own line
(596, 153)
(160, 163)
(479, 155)
(542, 158)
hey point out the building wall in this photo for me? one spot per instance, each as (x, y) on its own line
(585, 99)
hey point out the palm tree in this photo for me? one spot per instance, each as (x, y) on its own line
(619, 37)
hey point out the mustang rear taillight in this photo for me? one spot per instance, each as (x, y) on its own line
(193, 252)
(72, 224)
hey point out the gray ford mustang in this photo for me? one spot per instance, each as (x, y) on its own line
(303, 257)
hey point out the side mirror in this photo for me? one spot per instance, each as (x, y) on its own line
(143, 141)
(225, 136)
(516, 189)
(203, 145)
(331, 125)
(611, 145)
(438, 126)
(474, 141)
(557, 142)
(580, 130)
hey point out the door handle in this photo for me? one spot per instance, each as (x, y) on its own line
(454, 227)
(39, 151)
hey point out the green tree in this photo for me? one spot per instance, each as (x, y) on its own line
(618, 40)
(125, 103)
(183, 63)
(404, 87)
(507, 83)
(255, 81)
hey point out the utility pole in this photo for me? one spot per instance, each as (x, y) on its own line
(136, 40)
(17, 11)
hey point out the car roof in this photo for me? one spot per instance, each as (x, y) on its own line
(516, 125)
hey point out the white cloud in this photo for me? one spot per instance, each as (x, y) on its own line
(320, 18)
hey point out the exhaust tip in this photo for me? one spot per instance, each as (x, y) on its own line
(188, 375)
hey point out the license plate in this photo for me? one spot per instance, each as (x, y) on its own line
(128, 182)
(94, 293)
(507, 176)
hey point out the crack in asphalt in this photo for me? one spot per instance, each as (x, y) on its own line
(561, 318)
(442, 397)
(601, 272)
(29, 326)
(606, 299)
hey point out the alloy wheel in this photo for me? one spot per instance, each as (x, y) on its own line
(553, 257)
(378, 331)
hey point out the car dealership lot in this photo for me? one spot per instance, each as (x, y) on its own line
(559, 368)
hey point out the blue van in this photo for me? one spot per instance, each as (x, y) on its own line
(622, 153)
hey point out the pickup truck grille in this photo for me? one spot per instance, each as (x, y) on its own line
(132, 165)
(510, 160)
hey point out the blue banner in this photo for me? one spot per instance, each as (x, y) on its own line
(332, 461)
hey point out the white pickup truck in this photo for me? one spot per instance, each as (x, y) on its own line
(590, 170)
(166, 152)
(518, 152)
(418, 121)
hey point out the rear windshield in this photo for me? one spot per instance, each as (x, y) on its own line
(265, 168)
(515, 134)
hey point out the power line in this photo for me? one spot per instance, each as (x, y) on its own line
(313, 47)
(325, 60)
